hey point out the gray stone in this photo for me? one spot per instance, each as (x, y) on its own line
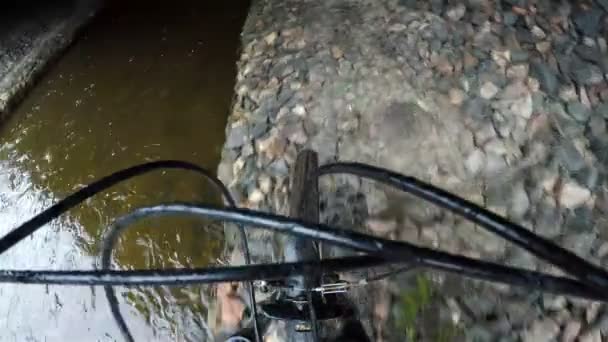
(541, 330)
(547, 78)
(589, 176)
(569, 156)
(520, 203)
(586, 73)
(519, 56)
(278, 168)
(578, 111)
(475, 162)
(494, 164)
(509, 18)
(237, 136)
(476, 107)
(478, 333)
(587, 21)
(579, 220)
(457, 12)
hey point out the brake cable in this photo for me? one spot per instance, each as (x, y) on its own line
(380, 251)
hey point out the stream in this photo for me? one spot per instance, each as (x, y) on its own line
(146, 80)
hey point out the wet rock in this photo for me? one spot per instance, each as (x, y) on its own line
(488, 90)
(572, 195)
(578, 111)
(568, 93)
(278, 167)
(547, 78)
(541, 330)
(553, 302)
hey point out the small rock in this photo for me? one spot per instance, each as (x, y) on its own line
(444, 66)
(520, 203)
(476, 107)
(457, 12)
(568, 93)
(578, 111)
(584, 98)
(586, 73)
(494, 164)
(488, 90)
(518, 71)
(570, 332)
(237, 136)
(484, 134)
(546, 77)
(469, 61)
(256, 196)
(270, 38)
(519, 56)
(538, 33)
(587, 20)
(572, 195)
(541, 330)
(265, 183)
(336, 52)
(299, 110)
(594, 335)
(495, 146)
(475, 162)
(569, 156)
(456, 96)
(381, 226)
(543, 47)
(553, 302)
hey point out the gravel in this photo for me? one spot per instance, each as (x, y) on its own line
(503, 103)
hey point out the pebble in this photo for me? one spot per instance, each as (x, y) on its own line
(381, 226)
(571, 331)
(592, 336)
(547, 78)
(271, 38)
(572, 195)
(517, 71)
(494, 164)
(541, 330)
(299, 110)
(457, 12)
(237, 136)
(488, 90)
(578, 111)
(520, 203)
(256, 196)
(496, 147)
(475, 162)
(484, 134)
(456, 96)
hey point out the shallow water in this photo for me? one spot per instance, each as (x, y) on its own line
(146, 81)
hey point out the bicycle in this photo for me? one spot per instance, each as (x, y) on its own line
(309, 294)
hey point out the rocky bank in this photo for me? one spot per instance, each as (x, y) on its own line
(503, 102)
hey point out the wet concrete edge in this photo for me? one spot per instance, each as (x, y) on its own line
(23, 72)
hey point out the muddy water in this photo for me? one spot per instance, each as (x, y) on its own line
(147, 80)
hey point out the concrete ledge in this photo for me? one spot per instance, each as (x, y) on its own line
(32, 33)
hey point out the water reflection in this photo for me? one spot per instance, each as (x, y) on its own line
(147, 81)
